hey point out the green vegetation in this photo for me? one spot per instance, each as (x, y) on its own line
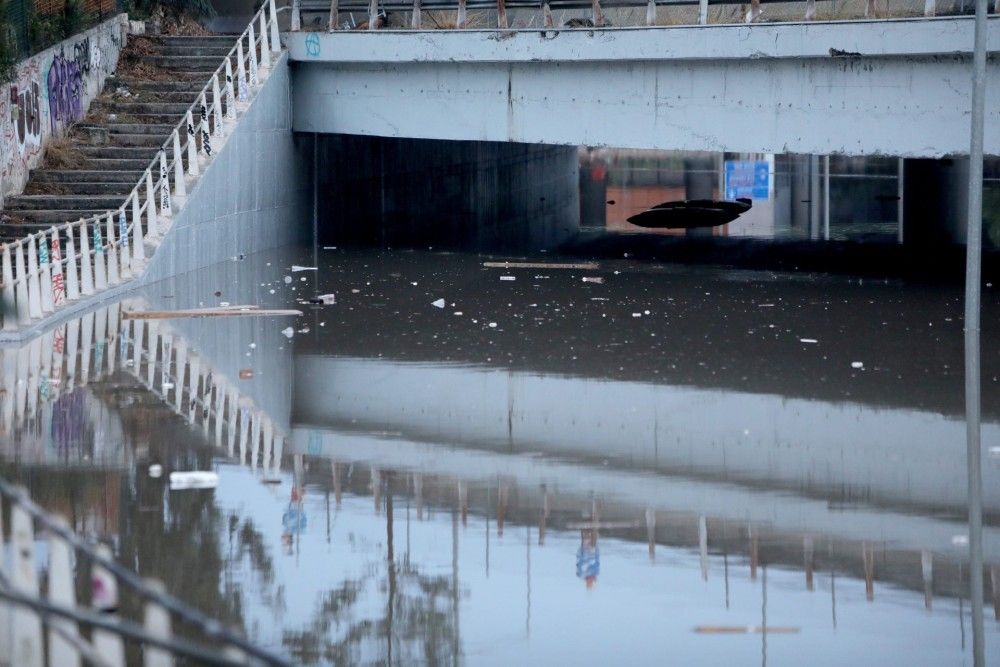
(8, 46)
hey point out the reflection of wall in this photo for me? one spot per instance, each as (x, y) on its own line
(469, 194)
(51, 90)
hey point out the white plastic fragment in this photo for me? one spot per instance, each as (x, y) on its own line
(636, 314)
(327, 299)
(155, 470)
(493, 325)
(288, 280)
(808, 340)
(507, 278)
(288, 332)
(857, 364)
(296, 268)
(593, 279)
(458, 312)
(193, 479)
(960, 540)
(439, 303)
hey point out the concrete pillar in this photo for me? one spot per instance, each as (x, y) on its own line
(700, 179)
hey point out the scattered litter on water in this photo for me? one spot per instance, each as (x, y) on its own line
(324, 299)
(228, 311)
(541, 265)
(438, 303)
(765, 305)
(194, 479)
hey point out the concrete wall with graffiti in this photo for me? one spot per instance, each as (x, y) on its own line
(52, 90)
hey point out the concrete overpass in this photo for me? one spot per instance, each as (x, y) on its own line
(897, 87)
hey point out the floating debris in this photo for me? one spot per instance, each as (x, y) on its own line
(246, 373)
(155, 470)
(228, 311)
(857, 364)
(296, 268)
(593, 279)
(541, 265)
(507, 278)
(439, 303)
(288, 332)
(808, 340)
(324, 299)
(195, 479)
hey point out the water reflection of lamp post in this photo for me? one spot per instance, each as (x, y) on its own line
(868, 560)
(807, 557)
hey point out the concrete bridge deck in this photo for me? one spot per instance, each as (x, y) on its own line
(899, 87)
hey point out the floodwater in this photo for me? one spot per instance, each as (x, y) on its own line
(628, 463)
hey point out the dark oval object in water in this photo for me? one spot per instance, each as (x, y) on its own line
(691, 213)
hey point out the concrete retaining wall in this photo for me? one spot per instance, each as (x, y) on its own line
(253, 197)
(53, 89)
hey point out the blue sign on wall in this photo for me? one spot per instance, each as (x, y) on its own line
(749, 179)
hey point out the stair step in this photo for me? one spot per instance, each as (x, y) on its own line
(149, 140)
(219, 51)
(85, 176)
(201, 40)
(187, 63)
(119, 152)
(63, 202)
(57, 216)
(117, 163)
(74, 188)
(145, 107)
(139, 128)
(192, 84)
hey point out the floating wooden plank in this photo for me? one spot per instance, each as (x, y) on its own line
(228, 311)
(542, 265)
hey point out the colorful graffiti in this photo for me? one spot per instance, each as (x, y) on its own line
(65, 88)
(26, 115)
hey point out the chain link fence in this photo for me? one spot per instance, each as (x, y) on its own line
(29, 26)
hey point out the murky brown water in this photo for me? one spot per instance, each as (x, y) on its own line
(666, 464)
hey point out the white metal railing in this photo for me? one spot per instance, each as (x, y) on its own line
(42, 272)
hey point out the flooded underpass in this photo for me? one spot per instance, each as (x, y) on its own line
(500, 456)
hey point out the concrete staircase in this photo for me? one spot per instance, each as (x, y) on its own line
(120, 136)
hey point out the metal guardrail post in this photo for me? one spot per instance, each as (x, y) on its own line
(86, 268)
(34, 288)
(112, 251)
(72, 281)
(138, 242)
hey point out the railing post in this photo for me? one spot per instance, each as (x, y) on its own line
(372, 14)
(27, 626)
(138, 241)
(811, 10)
(462, 17)
(598, 15)
(45, 273)
(113, 277)
(335, 14)
(206, 139)
(651, 12)
(72, 281)
(9, 303)
(230, 96)
(296, 16)
(62, 592)
(104, 597)
(192, 145)
(415, 18)
(34, 289)
(702, 12)
(273, 21)
(58, 279)
(252, 38)
(166, 210)
(152, 226)
(124, 255)
(870, 9)
(216, 107)
(501, 14)
(100, 268)
(241, 73)
(930, 7)
(156, 620)
(265, 50)
(754, 11)
(180, 190)
(21, 288)
(86, 266)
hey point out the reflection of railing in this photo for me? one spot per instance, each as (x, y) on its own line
(37, 278)
(21, 620)
(462, 7)
(78, 352)
(201, 395)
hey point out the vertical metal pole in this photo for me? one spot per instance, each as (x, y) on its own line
(315, 202)
(826, 197)
(900, 172)
(973, 261)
